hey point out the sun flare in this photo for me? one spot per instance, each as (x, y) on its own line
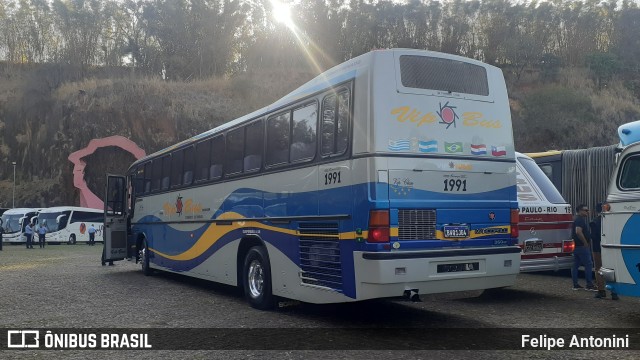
(282, 13)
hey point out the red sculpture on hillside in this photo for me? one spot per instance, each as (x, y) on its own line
(87, 197)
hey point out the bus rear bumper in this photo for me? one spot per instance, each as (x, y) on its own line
(546, 264)
(431, 272)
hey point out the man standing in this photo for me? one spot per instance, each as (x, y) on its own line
(28, 233)
(92, 235)
(41, 235)
(582, 254)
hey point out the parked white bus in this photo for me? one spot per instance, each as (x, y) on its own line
(70, 224)
(391, 174)
(621, 220)
(14, 222)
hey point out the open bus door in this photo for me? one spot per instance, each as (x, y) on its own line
(115, 220)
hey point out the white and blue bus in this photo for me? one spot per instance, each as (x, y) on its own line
(13, 223)
(621, 220)
(391, 174)
(70, 224)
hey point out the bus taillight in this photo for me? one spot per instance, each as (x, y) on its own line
(515, 213)
(378, 226)
(568, 246)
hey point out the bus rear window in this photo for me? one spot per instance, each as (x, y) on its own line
(546, 186)
(423, 72)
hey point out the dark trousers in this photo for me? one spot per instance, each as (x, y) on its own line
(92, 238)
(29, 243)
(41, 240)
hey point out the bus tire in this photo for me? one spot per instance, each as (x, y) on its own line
(72, 239)
(144, 259)
(256, 277)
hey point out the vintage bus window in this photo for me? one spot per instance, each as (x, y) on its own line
(217, 158)
(234, 151)
(424, 72)
(630, 174)
(177, 162)
(253, 146)
(156, 175)
(278, 131)
(202, 160)
(303, 141)
(166, 173)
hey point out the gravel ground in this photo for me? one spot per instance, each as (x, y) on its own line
(64, 286)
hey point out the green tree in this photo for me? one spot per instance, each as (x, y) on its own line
(603, 66)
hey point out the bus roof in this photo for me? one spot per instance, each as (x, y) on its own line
(334, 76)
(68, 208)
(18, 211)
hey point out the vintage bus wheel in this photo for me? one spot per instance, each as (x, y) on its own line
(144, 259)
(72, 239)
(257, 279)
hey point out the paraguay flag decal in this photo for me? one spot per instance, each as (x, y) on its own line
(478, 149)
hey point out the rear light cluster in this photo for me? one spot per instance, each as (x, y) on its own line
(515, 215)
(378, 226)
(568, 246)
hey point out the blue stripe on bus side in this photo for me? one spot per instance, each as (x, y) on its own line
(450, 209)
(631, 257)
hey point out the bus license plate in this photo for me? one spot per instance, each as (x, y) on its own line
(456, 231)
(447, 268)
(531, 246)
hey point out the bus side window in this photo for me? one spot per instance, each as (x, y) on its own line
(253, 146)
(166, 172)
(147, 177)
(335, 123)
(303, 140)
(156, 175)
(189, 164)
(217, 158)
(177, 163)
(278, 139)
(234, 151)
(202, 160)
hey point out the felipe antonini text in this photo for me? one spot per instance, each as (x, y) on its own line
(575, 342)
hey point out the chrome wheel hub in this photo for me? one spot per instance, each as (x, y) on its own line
(256, 278)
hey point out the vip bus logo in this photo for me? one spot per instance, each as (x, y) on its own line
(447, 115)
(188, 207)
(20, 339)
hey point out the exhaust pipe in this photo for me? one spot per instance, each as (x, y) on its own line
(411, 294)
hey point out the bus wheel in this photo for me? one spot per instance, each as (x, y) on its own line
(144, 259)
(256, 278)
(72, 239)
